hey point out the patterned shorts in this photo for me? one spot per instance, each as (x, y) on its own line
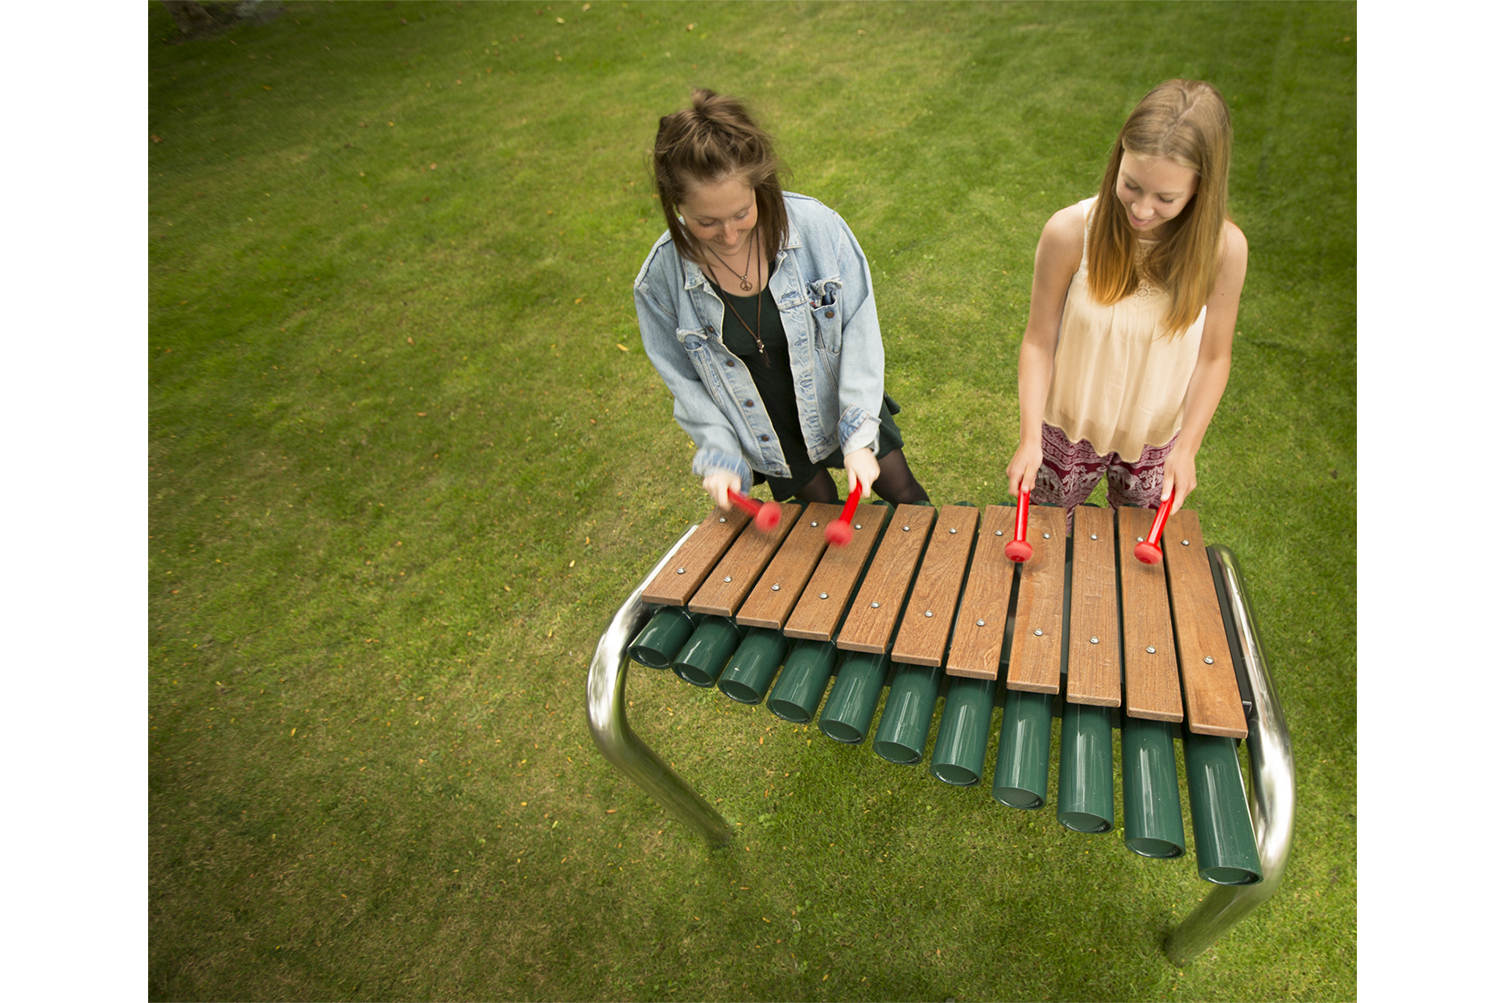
(1070, 470)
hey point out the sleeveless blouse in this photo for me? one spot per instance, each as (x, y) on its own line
(1119, 381)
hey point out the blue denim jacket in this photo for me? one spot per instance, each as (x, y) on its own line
(824, 294)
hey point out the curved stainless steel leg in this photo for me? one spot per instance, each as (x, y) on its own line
(1273, 805)
(606, 705)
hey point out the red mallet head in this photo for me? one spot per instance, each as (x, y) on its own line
(1018, 548)
(839, 533)
(1148, 552)
(767, 517)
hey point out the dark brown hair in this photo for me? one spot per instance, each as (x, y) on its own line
(714, 139)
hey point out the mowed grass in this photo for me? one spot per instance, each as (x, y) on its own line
(406, 458)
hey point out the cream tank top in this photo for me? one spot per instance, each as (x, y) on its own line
(1119, 382)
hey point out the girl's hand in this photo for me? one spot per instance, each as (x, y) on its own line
(1021, 469)
(1180, 477)
(718, 482)
(861, 467)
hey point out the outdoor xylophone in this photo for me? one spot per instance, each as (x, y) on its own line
(985, 608)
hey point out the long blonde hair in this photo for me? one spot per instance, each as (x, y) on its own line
(1185, 121)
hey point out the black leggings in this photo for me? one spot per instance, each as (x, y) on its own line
(895, 484)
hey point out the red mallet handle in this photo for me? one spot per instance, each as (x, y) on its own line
(839, 533)
(1149, 550)
(765, 514)
(1019, 549)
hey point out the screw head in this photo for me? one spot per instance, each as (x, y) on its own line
(982, 623)
(727, 579)
(929, 613)
(1094, 640)
(1208, 659)
(775, 586)
(679, 571)
(823, 595)
(875, 605)
(953, 530)
(1150, 649)
(1039, 632)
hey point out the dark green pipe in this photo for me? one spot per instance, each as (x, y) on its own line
(1084, 799)
(753, 665)
(1226, 851)
(666, 632)
(807, 670)
(1023, 769)
(962, 739)
(1152, 799)
(703, 657)
(906, 717)
(854, 697)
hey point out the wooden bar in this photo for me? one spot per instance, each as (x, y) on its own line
(1152, 688)
(733, 577)
(1213, 706)
(1035, 658)
(774, 596)
(818, 614)
(677, 582)
(926, 625)
(870, 624)
(977, 644)
(1092, 663)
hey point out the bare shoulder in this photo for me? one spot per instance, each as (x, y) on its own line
(1061, 239)
(1235, 246)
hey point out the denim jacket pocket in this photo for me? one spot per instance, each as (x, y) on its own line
(694, 343)
(824, 297)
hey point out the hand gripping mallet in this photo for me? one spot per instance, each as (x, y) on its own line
(765, 514)
(1019, 549)
(839, 533)
(1149, 551)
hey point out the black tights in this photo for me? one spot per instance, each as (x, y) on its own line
(895, 484)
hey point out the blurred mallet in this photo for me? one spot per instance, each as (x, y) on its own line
(765, 514)
(839, 533)
(1149, 551)
(1018, 549)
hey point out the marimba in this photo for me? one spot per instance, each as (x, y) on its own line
(925, 602)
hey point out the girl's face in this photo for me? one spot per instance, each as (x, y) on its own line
(1154, 190)
(721, 214)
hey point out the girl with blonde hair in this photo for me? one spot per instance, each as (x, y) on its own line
(1136, 290)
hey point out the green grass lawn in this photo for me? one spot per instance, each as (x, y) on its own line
(406, 457)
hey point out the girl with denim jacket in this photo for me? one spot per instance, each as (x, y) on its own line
(756, 308)
(1130, 334)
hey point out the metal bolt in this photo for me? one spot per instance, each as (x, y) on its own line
(906, 529)
(953, 530)
(928, 613)
(997, 532)
(1150, 649)
(1186, 543)
(775, 586)
(1094, 640)
(680, 571)
(727, 579)
(1094, 536)
(1039, 632)
(982, 623)
(875, 605)
(823, 595)
(1139, 539)
(1047, 536)
(857, 526)
(813, 523)
(1208, 659)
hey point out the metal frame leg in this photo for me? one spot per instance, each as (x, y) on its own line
(606, 706)
(1273, 805)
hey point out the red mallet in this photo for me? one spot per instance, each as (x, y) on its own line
(1018, 549)
(765, 514)
(1149, 550)
(839, 533)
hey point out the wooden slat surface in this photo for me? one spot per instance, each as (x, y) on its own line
(677, 582)
(870, 624)
(1213, 706)
(1152, 687)
(926, 626)
(835, 579)
(1092, 663)
(774, 596)
(977, 643)
(1035, 658)
(733, 577)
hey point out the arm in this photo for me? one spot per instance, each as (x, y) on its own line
(1210, 376)
(860, 382)
(1057, 258)
(718, 455)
